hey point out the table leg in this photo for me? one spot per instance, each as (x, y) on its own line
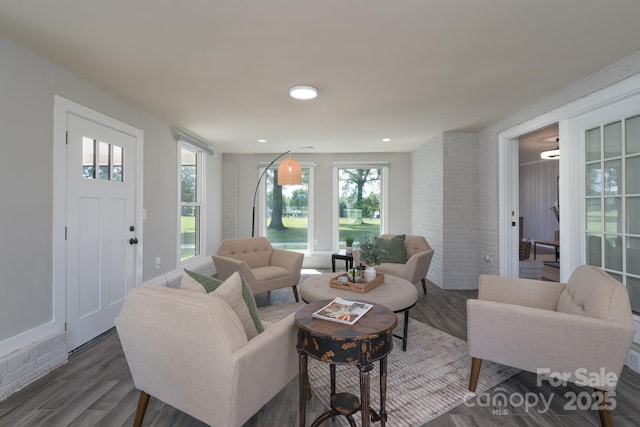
(365, 403)
(383, 391)
(534, 249)
(303, 384)
(405, 330)
(333, 263)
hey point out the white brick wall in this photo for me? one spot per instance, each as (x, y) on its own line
(427, 191)
(20, 368)
(460, 210)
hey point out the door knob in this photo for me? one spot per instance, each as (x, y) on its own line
(133, 241)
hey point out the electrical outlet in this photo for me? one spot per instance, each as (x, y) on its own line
(158, 263)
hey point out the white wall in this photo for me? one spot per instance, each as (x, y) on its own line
(538, 193)
(28, 84)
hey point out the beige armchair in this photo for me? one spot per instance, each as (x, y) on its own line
(583, 326)
(264, 267)
(419, 255)
(190, 351)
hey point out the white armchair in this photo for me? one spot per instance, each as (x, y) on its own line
(190, 351)
(264, 267)
(559, 328)
(419, 255)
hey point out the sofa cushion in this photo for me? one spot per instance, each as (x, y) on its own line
(209, 283)
(394, 249)
(231, 292)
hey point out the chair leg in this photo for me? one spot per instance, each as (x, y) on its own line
(143, 401)
(295, 293)
(475, 373)
(603, 408)
(424, 285)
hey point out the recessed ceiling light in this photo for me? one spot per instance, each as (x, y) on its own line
(386, 139)
(303, 92)
(262, 141)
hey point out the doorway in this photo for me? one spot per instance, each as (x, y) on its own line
(97, 204)
(538, 194)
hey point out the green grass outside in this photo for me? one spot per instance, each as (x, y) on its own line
(297, 228)
(295, 236)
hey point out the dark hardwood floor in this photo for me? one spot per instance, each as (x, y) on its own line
(95, 387)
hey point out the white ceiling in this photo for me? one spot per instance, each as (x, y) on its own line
(405, 69)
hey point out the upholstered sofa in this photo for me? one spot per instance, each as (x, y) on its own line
(583, 326)
(419, 256)
(264, 267)
(192, 350)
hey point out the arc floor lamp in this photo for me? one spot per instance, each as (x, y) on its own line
(289, 173)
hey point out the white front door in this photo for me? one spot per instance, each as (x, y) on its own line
(100, 226)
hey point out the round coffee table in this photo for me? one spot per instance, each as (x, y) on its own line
(395, 293)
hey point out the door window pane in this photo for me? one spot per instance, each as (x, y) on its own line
(633, 255)
(613, 215)
(88, 158)
(103, 161)
(594, 250)
(633, 175)
(287, 212)
(633, 287)
(613, 140)
(116, 167)
(613, 177)
(633, 216)
(593, 179)
(594, 215)
(592, 145)
(632, 135)
(613, 252)
(359, 197)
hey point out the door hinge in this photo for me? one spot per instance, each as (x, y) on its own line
(65, 233)
(66, 138)
(65, 326)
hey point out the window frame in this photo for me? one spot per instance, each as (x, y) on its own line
(261, 208)
(199, 202)
(384, 196)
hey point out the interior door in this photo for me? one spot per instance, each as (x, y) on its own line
(100, 227)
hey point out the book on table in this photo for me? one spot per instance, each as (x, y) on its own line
(343, 311)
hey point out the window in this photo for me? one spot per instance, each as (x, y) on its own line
(360, 197)
(287, 214)
(612, 202)
(191, 206)
(101, 160)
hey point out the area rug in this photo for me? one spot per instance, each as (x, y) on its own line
(426, 381)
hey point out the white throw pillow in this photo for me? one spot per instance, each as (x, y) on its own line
(231, 292)
(188, 283)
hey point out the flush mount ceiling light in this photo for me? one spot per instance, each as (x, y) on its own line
(386, 139)
(551, 154)
(304, 93)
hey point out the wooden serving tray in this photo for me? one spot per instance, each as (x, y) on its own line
(356, 287)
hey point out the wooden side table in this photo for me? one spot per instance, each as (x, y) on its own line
(370, 339)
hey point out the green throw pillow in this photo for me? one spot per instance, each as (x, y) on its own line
(394, 249)
(251, 305)
(209, 283)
